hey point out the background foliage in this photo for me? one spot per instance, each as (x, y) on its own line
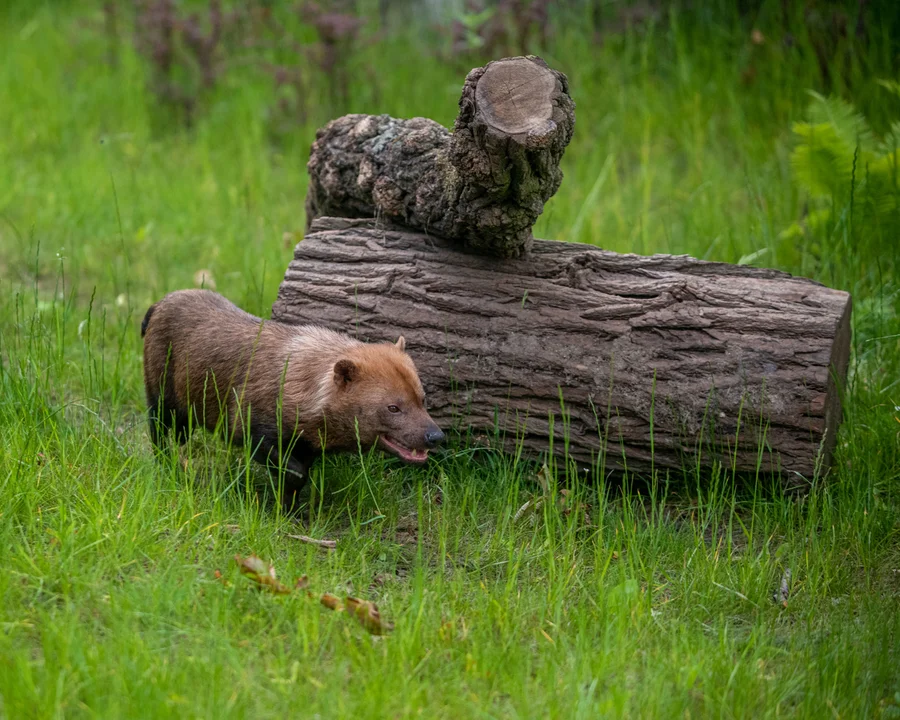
(152, 146)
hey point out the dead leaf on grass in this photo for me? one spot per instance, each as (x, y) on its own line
(543, 477)
(263, 574)
(255, 569)
(332, 602)
(366, 612)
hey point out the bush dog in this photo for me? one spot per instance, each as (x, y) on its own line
(312, 389)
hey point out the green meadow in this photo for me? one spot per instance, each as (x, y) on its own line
(644, 597)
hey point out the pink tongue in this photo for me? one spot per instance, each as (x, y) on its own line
(407, 454)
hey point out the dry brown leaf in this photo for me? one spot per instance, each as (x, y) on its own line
(221, 578)
(302, 583)
(255, 569)
(332, 602)
(543, 477)
(364, 611)
(252, 564)
(367, 614)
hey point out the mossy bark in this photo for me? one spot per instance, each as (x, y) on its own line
(483, 185)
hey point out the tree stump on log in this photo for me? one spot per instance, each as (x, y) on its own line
(614, 361)
(484, 185)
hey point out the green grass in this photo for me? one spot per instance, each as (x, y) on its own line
(659, 604)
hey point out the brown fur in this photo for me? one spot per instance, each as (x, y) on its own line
(208, 363)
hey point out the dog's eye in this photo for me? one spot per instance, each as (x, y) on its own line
(393, 408)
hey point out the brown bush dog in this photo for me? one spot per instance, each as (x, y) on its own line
(205, 356)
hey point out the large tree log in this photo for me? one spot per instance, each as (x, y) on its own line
(484, 185)
(660, 361)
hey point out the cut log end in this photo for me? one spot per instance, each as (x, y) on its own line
(840, 361)
(515, 96)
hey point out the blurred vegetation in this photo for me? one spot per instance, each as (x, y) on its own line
(161, 144)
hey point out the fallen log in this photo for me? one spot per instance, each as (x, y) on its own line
(483, 185)
(617, 361)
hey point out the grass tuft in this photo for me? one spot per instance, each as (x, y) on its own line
(513, 590)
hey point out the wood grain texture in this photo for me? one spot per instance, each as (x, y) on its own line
(483, 185)
(727, 364)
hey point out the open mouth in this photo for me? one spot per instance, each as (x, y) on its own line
(404, 453)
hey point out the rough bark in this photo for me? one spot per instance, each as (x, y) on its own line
(483, 185)
(661, 361)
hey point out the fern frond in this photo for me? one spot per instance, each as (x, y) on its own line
(890, 143)
(880, 186)
(849, 125)
(822, 162)
(892, 86)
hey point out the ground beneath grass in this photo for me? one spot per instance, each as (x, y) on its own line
(626, 597)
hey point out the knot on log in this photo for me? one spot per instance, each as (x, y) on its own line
(483, 185)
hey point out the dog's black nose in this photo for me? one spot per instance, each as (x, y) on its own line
(433, 437)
